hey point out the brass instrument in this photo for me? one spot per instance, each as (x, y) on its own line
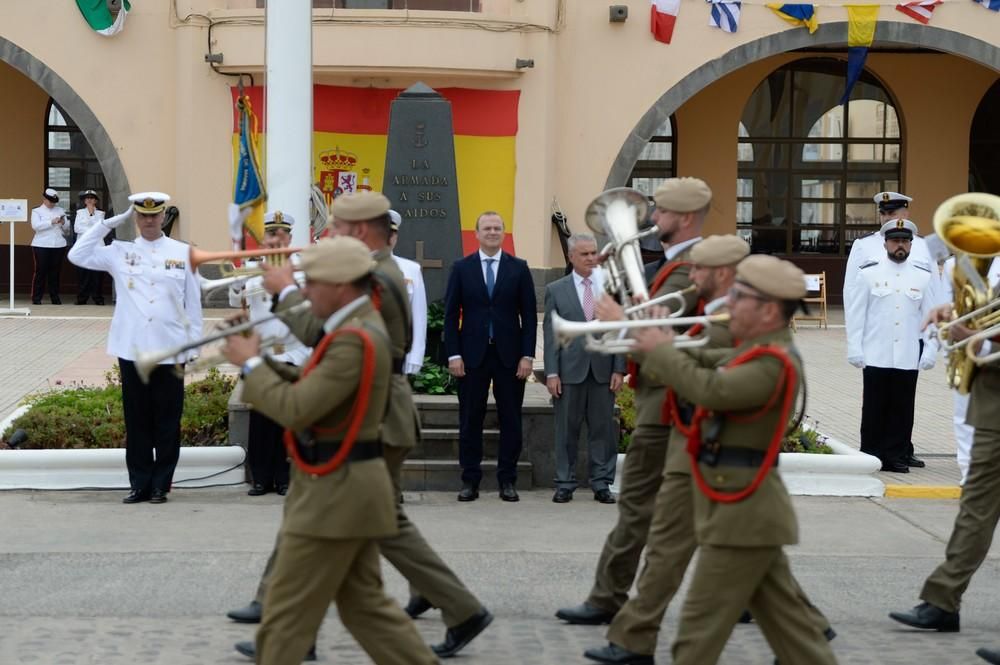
(566, 331)
(146, 361)
(969, 224)
(617, 214)
(198, 256)
(209, 285)
(679, 296)
(209, 360)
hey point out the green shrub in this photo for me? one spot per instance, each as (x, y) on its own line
(804, 440)
(433, 379)
(91, 417)
(625, 401)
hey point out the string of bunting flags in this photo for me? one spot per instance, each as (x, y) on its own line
(725, 14)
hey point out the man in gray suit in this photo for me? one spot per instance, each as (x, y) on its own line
(582, 383)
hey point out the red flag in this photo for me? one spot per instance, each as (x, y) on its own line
(920, 10)
(662, 17)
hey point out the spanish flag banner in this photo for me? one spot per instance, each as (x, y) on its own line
(861, 20)
(248, 184)
(350, 127)
(804, 15)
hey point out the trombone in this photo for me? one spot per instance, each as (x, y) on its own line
(146, 361)
(566, 331)
(973, 341)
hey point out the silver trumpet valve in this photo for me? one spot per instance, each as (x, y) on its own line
(609, 336)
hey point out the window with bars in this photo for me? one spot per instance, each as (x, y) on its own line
(70, 164)
(809, 166)
(656, 163)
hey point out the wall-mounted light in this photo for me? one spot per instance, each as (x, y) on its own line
(618, 13)
(524, 63)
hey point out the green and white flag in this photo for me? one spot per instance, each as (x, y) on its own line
(99, 17)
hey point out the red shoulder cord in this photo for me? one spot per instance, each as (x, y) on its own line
(632, 367)
(358, 409)
(376, 296)
(785, 384)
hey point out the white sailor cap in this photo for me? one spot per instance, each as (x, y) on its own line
(898, 228)
(889, 201)
(51, 195)
(278, 220)
(149, 203)
(394, 220)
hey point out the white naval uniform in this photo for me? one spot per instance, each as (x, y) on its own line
(48, 234)
(960, 402)
(872, 247)
(418, 304)
(886, 311)
(289, 348)
(158, 295)
(84, 220)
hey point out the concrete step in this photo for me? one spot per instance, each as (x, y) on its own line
(443, 444)
(438, 412)
(433, 475)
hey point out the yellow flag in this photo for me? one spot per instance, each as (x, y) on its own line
(861, 24)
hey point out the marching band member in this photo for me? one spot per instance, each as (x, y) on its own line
(47, 247)
(418, 299)
(153, 280)
(265, 447)
(91, 281)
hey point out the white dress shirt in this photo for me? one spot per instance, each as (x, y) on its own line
(418, 306)
(84, 220)
(885, 314)
(48, 234)
(158, 296)
(673, 250)
(596, 285)
(286, 347)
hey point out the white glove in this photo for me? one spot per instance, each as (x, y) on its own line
(857, 361)
(412, 368)
(927, 361)
(119, 219)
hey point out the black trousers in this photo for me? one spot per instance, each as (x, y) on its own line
(473, 390)
(91, 284)
(887, 412)
(266, 451)
(152, 425)
(48, 263)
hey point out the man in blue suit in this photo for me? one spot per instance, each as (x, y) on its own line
(490, 324)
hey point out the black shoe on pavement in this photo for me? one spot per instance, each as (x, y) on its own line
(158, 496)
(915, 462)
(928, 617)
(249, 614)
(895, 467)
(989, 655)
(56, 301)
(257, 489)
(585, 614)
(616, 655)
(417, 606)
(508, 493)
(562, 495)
(135, 496)
(249, 649)
(604, 496)
(468, 493)
(456, 638)
(281, 490)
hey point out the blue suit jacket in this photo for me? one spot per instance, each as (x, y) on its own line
(512, 309)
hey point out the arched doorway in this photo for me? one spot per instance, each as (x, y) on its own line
(984, 144)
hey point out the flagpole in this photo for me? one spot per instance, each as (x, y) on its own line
(289, 115)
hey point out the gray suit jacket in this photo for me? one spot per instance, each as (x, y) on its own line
(573, 363)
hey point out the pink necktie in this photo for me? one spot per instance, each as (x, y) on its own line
(588, 300)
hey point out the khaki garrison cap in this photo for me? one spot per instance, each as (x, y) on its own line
(149, 203)
(772, 276)
(717, 251)
(360, 206)
(682, 194)
(337, 260)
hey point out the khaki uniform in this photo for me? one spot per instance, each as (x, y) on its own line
(979, 509)
(327, 550)
(642, 474)
(407, 550)
(741, 563)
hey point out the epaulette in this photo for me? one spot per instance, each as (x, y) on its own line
(868, 264)
(922, 265)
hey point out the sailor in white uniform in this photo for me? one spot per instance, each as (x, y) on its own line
(888, 304)
(418, 299)
(47, 247)
(90, 282)
(158, 307)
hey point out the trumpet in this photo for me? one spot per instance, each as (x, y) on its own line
(973, 341)
(679, 296)
(566, 331)
(209, 285)
(210, 360)
(146, 361)
(198, 257)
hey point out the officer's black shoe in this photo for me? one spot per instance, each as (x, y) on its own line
(417, 606)
(585, 614)
(249, 614)
(456, 638)
(36, 302)
(258, 490)
(616, 655)
(249, 649)
(928, 617)
(468, 493)
(746, 617)
(895, 467)
(81, 302)
(989, 655)
(508, 493)
(158, 496)
(282, 489)
(915, 462)
(562, 495)
(136, 496)
(98, 301)
(604, 496)
(56, 301)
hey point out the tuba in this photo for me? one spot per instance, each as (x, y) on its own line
(617, 214)
(969, 224)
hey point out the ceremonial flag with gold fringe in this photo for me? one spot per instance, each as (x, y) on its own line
(248, 184)
(804, 15)
(861, 21)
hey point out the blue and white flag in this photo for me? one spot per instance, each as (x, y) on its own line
(726, 15)
(992, 5)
